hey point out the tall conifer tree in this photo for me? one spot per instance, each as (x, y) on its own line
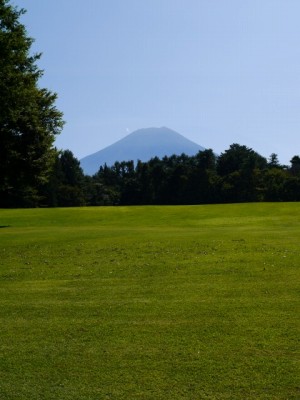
(29, 120)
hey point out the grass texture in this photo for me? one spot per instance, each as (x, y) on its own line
(188, 302)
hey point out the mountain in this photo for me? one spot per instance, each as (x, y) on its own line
(142, 144)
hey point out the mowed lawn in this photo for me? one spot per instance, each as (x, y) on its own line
(188, 302)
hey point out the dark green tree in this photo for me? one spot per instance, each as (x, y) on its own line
(291, 188)
(295, 165)
(106, 185)
(274, 184)
(67, 182)
(29, 120)
(143, 178)
(205, 177)
(239, 169)
(273, 161)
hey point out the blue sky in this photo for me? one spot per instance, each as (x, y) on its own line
(217, 71)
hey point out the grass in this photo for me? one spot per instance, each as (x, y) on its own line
(192, 302)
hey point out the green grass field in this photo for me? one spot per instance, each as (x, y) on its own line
(191, 302)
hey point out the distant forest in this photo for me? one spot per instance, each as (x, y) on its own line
(238, 175)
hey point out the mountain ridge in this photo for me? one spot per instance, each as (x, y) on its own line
(142, 144)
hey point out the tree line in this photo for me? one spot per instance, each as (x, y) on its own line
(33, 173)
(238, 175)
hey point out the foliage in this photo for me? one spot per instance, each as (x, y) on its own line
(237, 175)
(193, 302)
(65, 186)
(29, 120)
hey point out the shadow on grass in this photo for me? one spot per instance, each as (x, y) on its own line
(4, 226)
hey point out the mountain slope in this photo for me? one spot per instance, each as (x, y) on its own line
(142, 144)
